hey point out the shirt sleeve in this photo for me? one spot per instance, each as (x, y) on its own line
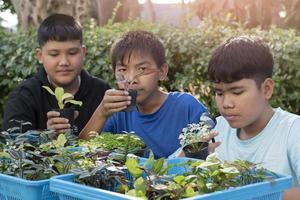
(294, 149)
(196, 108)
(19, 108)
(221, 127)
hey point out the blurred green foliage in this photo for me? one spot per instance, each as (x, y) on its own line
(188, 51)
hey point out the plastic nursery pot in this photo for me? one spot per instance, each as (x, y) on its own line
(133, 94)
(144, 152)
(200, 153)
(67, 113)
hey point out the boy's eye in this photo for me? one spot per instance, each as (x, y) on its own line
(237, 92)
(73, 52)
(53, 54)
(142, 69)
(219, 93)
(121, 69)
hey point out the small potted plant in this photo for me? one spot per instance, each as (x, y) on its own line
(126, 85)
(63, 98)
(194, 137)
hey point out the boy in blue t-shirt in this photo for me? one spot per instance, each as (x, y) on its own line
(139, 63)
(249, 128)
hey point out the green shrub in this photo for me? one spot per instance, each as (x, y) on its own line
(188, 51)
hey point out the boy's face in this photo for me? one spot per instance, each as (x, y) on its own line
(242, 103)
(141, 73)
(62, 61)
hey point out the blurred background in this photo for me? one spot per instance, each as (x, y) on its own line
(281, 13)
(189, 29)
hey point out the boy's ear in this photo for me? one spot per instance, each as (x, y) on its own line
(83, 49)
(163, 71)
(268, 87)
(38, 53)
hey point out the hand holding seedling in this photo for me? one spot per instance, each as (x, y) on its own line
(57, 123)
(211, 122)
(113, 101)
(214, 145)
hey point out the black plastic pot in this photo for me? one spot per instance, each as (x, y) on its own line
(144, 152)
(201, 153)
(133, 94)
(67, 113)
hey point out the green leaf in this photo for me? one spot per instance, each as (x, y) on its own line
(5, 155)
(158, 165)
(150, 160)
(189, 192)
(49, 90)
(59, 92)
(133, 167)
(61, 141)
(140, 185)
(67, 96)
(180, 179)
(79, 103)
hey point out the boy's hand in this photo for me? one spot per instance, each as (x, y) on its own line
(212, 146)
(57, 123)
(113, 101)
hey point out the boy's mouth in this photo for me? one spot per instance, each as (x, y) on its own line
(64, 72)
(231, 117)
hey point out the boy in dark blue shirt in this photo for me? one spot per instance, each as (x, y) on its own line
(139, 58)
(61, 52)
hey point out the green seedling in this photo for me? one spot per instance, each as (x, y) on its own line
(62, 97)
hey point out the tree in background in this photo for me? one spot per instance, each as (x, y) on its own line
(252, 13)
(32, 12)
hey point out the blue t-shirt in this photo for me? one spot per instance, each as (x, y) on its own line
(159, 130)
(276, 147)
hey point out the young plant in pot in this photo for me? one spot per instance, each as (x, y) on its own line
(63, 99)
(194, 137)
(126, 85)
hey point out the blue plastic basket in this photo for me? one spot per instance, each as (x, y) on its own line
(14, 188)
(68, 190)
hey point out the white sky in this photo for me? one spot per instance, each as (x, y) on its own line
(9, 20)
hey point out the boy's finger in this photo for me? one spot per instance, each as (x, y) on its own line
(58, 120)
(117, 99)
(52, 113)
(117, 106)
(76, 114)
(59, 127)
(212, 136)
(62, 131)
(212, 147)
(114, 92)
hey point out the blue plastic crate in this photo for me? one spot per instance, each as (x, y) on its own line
(14, 188)
(68, 190)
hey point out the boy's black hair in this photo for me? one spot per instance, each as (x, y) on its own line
(241, 57)
(138, 41)
(59, 27)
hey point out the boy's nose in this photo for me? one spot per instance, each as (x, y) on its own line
(131, 76)
(227, 102)
(64, 60)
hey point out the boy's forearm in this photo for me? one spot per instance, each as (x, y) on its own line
(95, 124)
(291, 194)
